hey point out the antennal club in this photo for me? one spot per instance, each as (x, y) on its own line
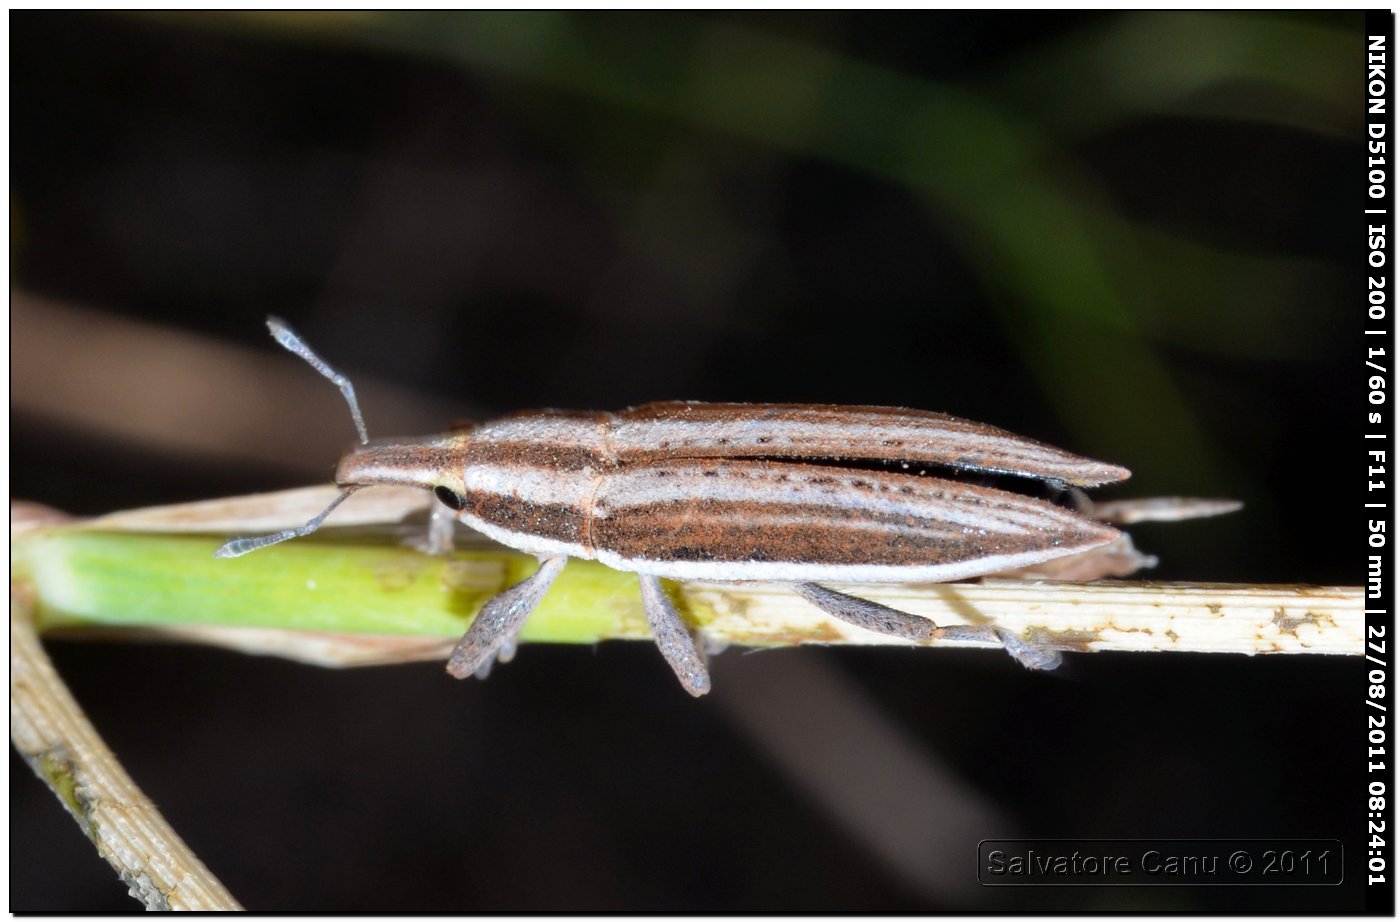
(290, 341)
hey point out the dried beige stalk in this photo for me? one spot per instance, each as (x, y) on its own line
(55, 738)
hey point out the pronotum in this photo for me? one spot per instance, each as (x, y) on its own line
(778, 492)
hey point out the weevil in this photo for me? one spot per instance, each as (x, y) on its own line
(793, 493)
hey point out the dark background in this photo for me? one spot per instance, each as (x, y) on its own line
(1126, 234)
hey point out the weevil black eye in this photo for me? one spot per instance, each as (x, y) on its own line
(449, 499)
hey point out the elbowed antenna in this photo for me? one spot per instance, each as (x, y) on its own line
(290, 341)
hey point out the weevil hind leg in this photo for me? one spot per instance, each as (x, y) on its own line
(885, 620)
(867, 614)
(673, 638)
(499, 621)
(1028, 654)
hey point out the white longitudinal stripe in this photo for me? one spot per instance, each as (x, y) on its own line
(536, 485)
(398, 471)
(798, 571)
(561, 431)
(941, 440)
(742, 484)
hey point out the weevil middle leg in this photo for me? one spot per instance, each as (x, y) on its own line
(673, 638)
(885, 620)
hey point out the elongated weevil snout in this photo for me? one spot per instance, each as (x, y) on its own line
(434, 463)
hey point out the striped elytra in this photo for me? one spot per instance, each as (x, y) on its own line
(737, 491)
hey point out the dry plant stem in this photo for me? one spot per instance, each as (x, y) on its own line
(1120, 615)
(54, 736)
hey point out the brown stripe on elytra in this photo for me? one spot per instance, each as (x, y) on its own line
(564, 523)
(525, 454)
(582, 416)
(735, 532)
(818, 431)
(705, 412)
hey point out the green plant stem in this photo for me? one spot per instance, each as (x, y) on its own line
(111, 578)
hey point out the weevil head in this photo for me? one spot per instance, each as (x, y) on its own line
(435, 463)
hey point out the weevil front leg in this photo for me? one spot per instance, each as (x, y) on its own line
(500, 620)
(504, 654)
(442, 531)
(885, 620)
(673, 638)
(440, 539)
